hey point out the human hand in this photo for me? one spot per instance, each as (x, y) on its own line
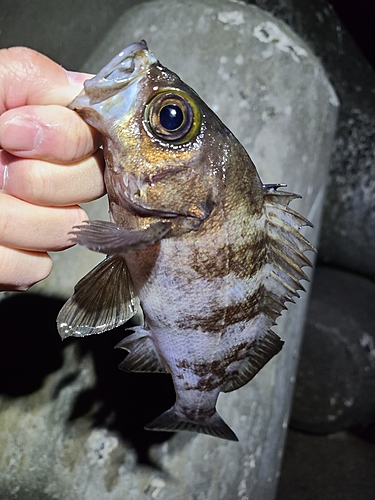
(49, 162)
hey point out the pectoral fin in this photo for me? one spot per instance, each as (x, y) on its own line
(111, 239)
(102, 300)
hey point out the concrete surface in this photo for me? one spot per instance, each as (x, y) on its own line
(335, 387)
(339, 466)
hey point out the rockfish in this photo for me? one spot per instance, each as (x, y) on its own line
(196, 241)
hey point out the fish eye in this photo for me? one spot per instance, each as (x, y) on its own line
(173, 116)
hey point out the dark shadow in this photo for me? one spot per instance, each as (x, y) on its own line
(365, 432)
(31, 349)
(129, 401)
(30, 345)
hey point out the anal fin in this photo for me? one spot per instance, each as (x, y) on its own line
(259, 354)
(142, 355)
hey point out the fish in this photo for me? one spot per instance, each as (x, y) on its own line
(197, 248)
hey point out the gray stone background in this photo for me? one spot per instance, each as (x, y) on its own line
(335, 390)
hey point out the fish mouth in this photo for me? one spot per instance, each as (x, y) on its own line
(119, 68)
(132, 191)
(196, 212)
(131, 64)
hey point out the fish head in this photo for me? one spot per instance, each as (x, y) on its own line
(166, 151)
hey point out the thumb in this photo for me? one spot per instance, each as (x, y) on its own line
(28, 77)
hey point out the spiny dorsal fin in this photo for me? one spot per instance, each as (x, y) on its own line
(285, 256)
(280, 279)
(96, 307)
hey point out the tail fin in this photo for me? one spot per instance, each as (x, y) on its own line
(170, 421)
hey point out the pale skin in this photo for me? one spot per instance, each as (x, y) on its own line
(49, 163)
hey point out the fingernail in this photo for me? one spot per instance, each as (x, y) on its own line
(2, 170)
(5, 159)
(77, 79)
(21, 134)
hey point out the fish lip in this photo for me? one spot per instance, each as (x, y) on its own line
(140, 211)
(130, 64)
(136, 209)
(129, 185)
(159, 176)
(117, 61)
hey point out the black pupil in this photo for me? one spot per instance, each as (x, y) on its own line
(171, 117)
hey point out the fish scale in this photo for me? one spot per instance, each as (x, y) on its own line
(196, 243)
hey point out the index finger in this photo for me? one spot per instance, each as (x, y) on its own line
(28, 77)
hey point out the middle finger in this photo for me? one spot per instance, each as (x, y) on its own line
(53, 133)
(31, 227)
(43, 183)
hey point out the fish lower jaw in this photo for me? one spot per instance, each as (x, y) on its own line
(136, 208)
(187, 221)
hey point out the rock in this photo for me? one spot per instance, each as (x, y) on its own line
(335, 386)
(79, 435)
(348, 227)
(59, 32)
(338, 466)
